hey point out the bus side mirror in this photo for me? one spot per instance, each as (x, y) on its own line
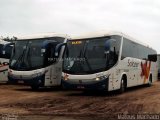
(152, 58)
(58, 47)
(109, 45)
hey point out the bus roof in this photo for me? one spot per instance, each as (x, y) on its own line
(42, 35)
(96, 34)
(108, 33)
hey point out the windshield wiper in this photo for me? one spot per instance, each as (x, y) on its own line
(20, 59)
(84, 55)
(29, 58)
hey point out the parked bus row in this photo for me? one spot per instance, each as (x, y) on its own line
(104, 61)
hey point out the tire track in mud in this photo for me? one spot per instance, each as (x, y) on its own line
(139, 101)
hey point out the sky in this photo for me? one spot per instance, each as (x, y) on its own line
(139, 19)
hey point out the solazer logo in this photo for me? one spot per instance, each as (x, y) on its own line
(132, 63)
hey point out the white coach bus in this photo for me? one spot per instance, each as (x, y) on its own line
(36, 60)
(110, 61)
(4, 61)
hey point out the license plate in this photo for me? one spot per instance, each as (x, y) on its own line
(81, 87)
(21, 82)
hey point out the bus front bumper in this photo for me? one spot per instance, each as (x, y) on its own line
(39, 80)
(93, 85)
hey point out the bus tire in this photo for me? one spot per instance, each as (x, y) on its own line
(122, 86)
(34, 87)
(150, 81)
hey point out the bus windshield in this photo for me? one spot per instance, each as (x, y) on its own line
(93, 55)
(30, 55)
(26, 55)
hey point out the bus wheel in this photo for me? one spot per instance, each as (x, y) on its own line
(123, 87)
(34, 87)
(150, 81)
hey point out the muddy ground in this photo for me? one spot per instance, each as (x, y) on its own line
(57, 104)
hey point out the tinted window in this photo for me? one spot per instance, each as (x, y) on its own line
(8, 51)
(32, 54)
(132, 49)
(1, 46)
(50, 54)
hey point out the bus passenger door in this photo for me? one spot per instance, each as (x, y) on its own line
(55, 66)
(133, 72)
(57, 73)
(53, 77)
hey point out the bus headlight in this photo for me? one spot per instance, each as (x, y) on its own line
(97, 79)
(101, 78)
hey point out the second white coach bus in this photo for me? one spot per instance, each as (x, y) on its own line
(111, 61)
(4, 61)
(36, 60)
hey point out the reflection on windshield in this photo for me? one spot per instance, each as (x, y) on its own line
(33, 54)
(27, 55)
(90, 55)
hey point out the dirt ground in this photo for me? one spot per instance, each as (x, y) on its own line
(57, 104)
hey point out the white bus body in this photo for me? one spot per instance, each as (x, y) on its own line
(4, 61)
(108, 62)
(35, 62)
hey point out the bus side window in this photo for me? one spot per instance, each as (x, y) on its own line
(1, 46)
(48, 55)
